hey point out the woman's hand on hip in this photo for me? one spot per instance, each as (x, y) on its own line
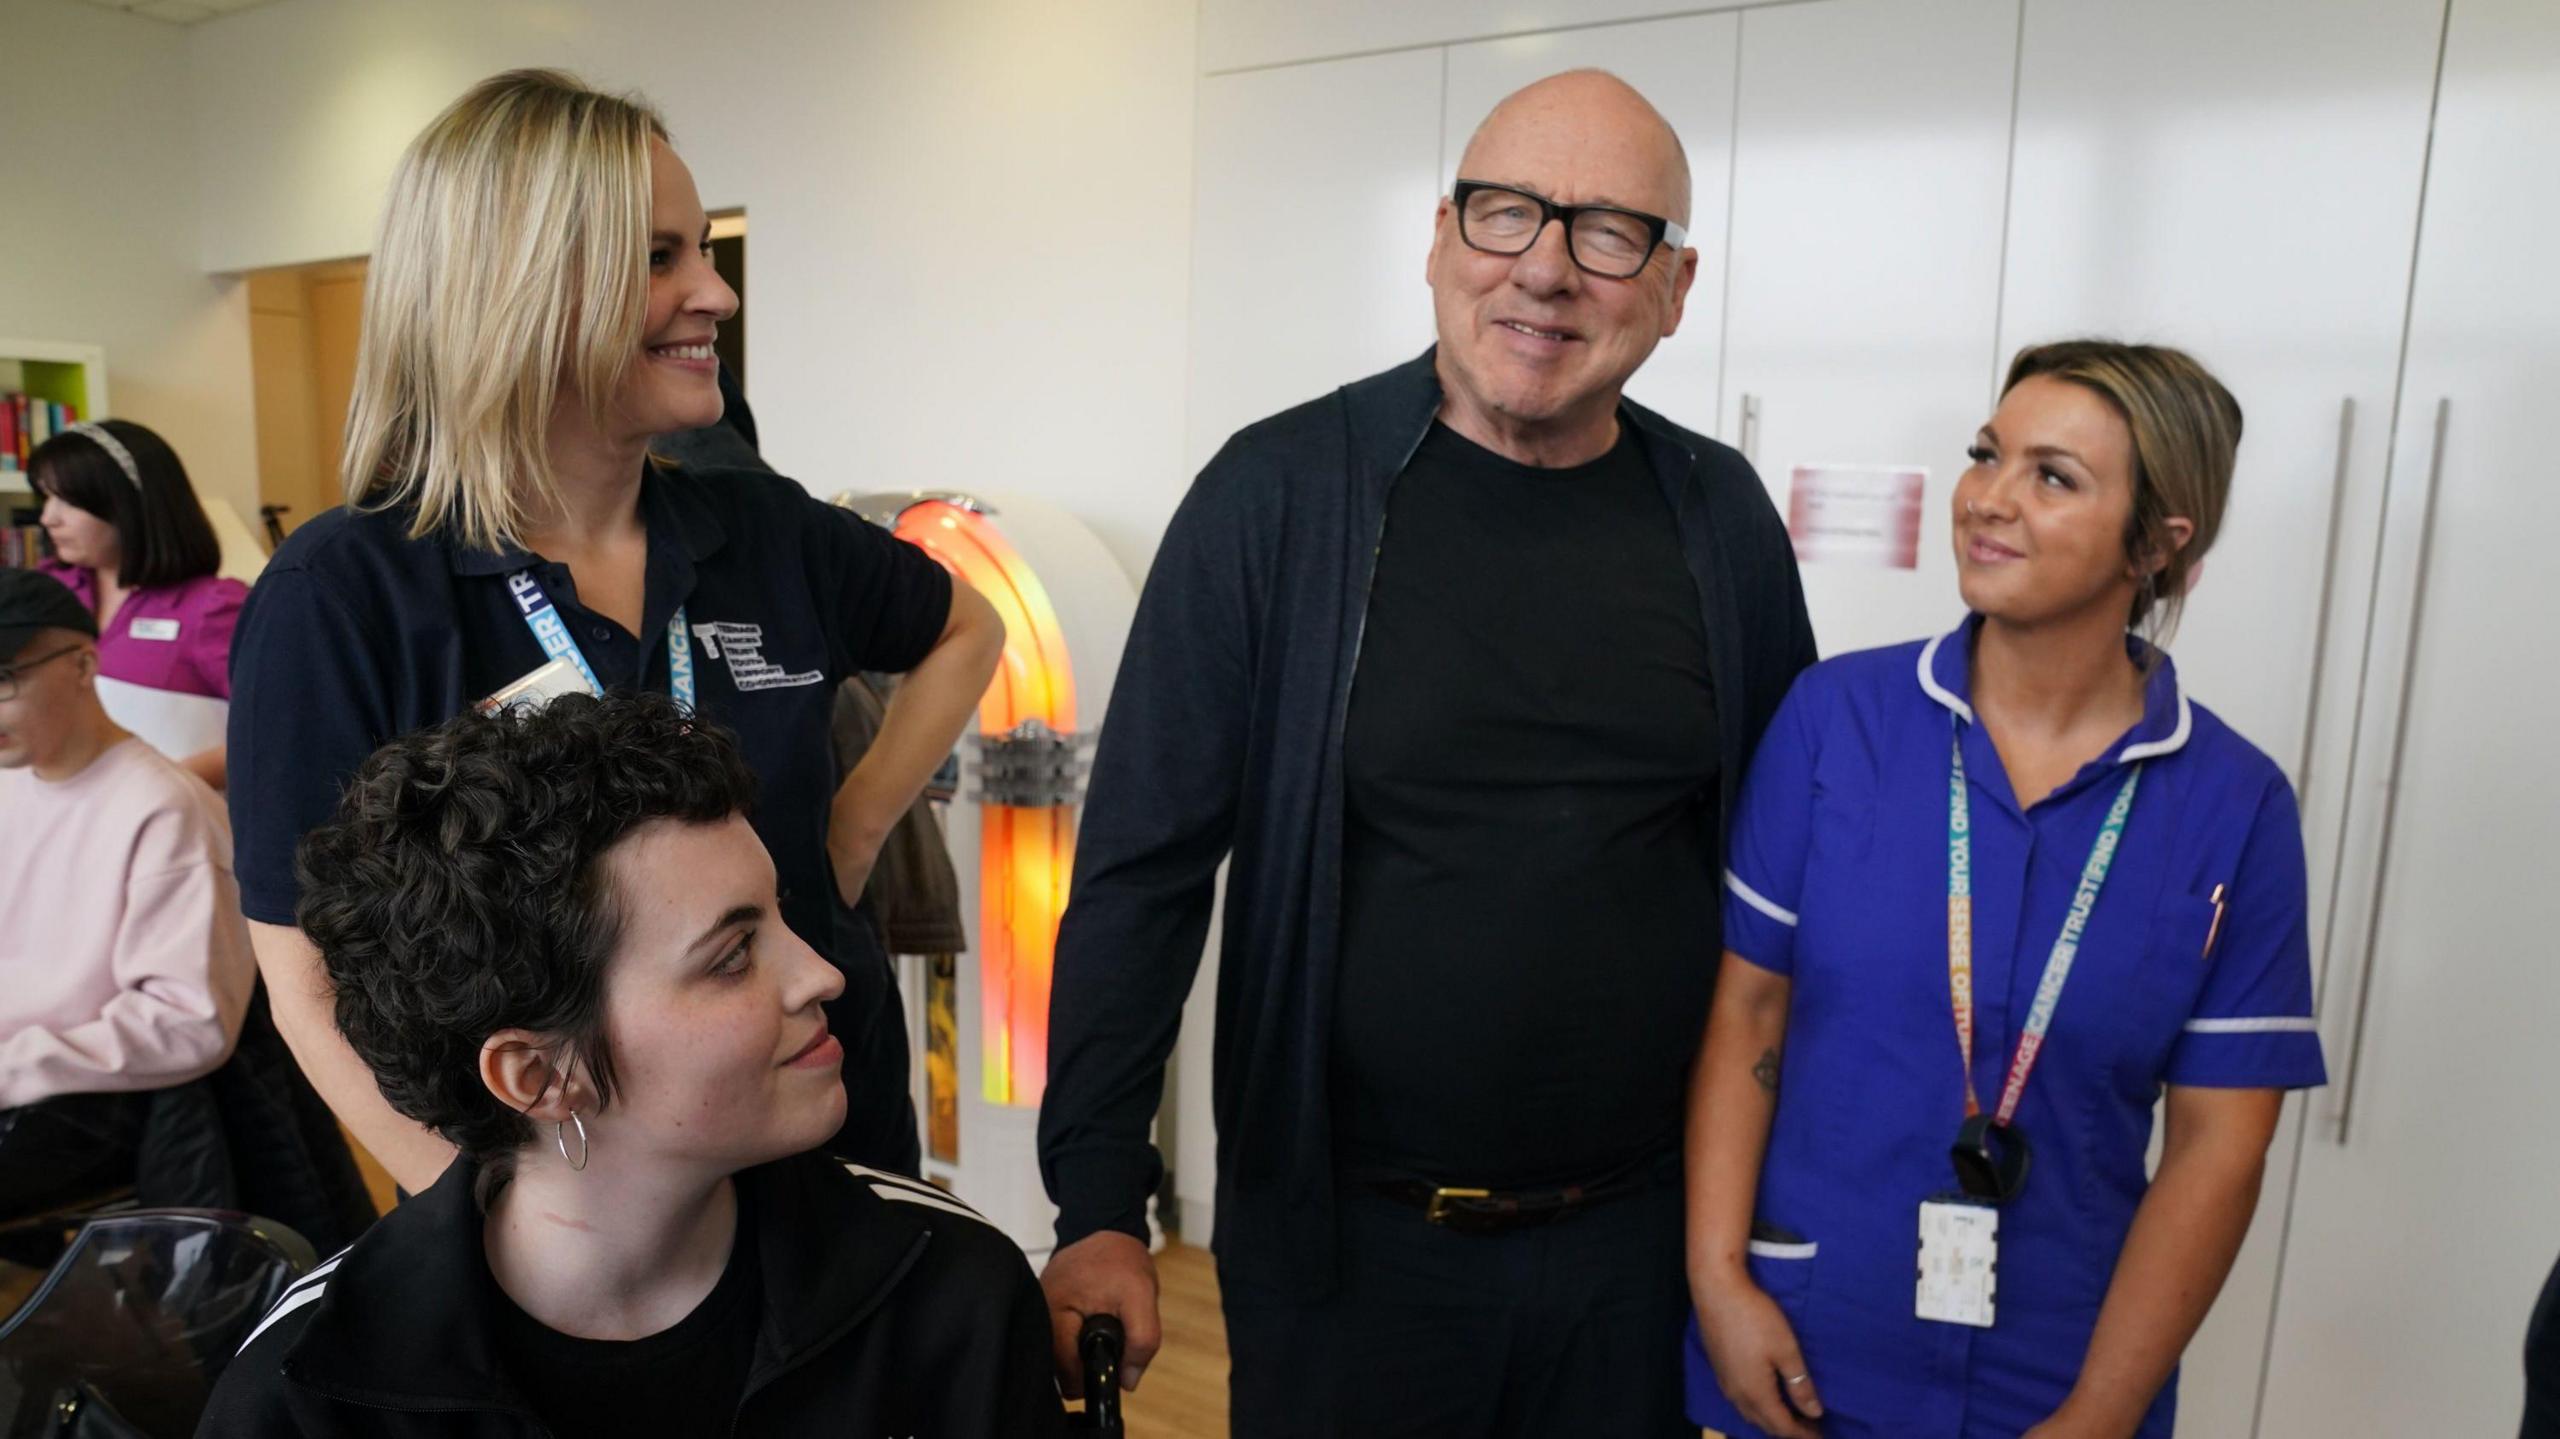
(852, 853)
(1757, 1361)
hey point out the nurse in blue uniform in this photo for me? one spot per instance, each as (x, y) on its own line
(1989, 895)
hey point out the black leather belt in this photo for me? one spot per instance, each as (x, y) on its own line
(1497, 1211)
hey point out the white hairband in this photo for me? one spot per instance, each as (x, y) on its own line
(106, 440)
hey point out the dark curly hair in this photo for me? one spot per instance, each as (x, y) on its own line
(461, 889)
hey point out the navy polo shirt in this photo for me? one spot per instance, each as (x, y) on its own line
(356, 633)
(1837, 879)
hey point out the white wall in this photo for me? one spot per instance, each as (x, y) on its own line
(96, 237)
(968, 224)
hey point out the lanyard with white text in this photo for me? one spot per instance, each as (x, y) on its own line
(2057, 964)
(552, 633)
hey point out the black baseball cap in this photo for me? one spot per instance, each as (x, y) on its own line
(32, 602)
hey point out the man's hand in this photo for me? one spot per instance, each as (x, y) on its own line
(1103, 1273)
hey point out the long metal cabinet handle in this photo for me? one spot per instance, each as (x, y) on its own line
(2345, 1089)
(2328, 587)
(1750, 435)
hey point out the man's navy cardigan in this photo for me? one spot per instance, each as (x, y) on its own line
(1224, 738)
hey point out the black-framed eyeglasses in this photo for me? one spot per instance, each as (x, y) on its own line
(9, 673)
(1604, 240)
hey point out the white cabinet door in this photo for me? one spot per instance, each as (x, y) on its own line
(1685, 67)
(2242, 181)
(2417, 1244)
(1871, 147)
(1239, 33)
(1313, 205)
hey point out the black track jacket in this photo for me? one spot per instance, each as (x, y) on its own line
(889, 1310)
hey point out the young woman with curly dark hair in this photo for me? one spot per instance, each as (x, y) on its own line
(555, 941)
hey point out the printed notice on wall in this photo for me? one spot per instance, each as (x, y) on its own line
(1857, 515)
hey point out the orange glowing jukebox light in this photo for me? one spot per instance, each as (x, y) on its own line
(1066, 606)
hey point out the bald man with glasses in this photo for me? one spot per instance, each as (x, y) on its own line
(1459, 667)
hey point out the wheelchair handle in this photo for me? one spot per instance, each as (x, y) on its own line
(1100, 1345)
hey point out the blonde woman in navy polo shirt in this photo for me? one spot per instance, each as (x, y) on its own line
(540, 305)
(1988, 896)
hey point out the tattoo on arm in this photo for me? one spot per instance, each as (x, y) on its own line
(1766, 1071)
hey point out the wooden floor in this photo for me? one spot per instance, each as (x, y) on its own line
(1183, 1395)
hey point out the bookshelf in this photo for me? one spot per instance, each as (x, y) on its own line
(71, 375)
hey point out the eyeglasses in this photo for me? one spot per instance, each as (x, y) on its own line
(9, 674)
(1603, 240)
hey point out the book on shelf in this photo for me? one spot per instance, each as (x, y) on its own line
(23, 546)
(27, 421)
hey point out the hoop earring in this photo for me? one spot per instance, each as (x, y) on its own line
(560, 1138)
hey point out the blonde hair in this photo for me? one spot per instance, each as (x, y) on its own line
(513, 257)
(2186, 436)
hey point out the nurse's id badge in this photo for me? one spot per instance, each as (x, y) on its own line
(536, 688)
(1959, 1261)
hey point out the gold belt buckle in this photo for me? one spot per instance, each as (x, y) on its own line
(1438, 1212)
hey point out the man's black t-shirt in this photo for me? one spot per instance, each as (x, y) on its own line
(686, 1379)
(1530, 928)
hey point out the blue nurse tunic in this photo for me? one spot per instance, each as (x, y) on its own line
(1838, 879)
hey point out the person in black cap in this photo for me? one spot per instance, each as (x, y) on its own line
(31, 602)
(125, 966)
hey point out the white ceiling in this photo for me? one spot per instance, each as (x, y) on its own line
(179, 12)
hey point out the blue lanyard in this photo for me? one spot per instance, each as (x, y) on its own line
(2057, 962)
(552, 633)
